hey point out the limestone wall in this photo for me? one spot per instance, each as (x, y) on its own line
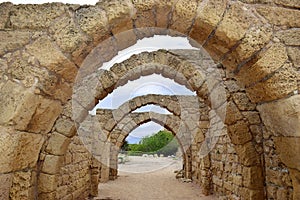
(254, 43)
(75, 174)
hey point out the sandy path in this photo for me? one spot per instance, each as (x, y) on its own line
(150, 179)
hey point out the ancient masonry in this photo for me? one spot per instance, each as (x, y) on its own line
(241, 141)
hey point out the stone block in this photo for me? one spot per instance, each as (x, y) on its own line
(6, 182)
(12, 40)
(290, 37)
(294, 54)
(45, 115)
(108, 80)
(184, 13)
(265, 63)
(58, 144)
(242, 101)
(119, 14)
(250, 194)
(52, 164)
(93, 21)
(4, 12)
(208, 16)
(253, 177)
(21, 186)
(65, 126)
(288, 3)
(52, 58)
(282, 117)
(18, 105)
(145, 16)
(237, 180)
(295, 175)
(67, 34)
(274, 177)
(288, 149)
(253, 117)
(47, 183)
(254, 40)
(231, 29)
(19, 150)
(280, 85)
(280, 16)
(232, 113)
(239, 133)
(35, 16)
(247, 154)
(163, 10)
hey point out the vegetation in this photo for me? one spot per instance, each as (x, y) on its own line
(162, 142)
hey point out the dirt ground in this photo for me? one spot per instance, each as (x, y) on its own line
(150, 179)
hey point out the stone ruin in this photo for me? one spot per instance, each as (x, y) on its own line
(245, 140)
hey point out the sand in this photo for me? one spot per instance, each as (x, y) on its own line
(150, 179)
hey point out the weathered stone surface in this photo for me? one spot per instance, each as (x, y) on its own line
(52, 164)
(183, 15)
(66, 127)
(42, 122)
(125, 39)
(19, 150)
(208, 16)
(17, 105)
(247, 154)
(242, 101)
(11, 40)
(267, 62)
(6, 182)
(108, 80)
(252, 194)
(294, 54)
(282, 83)
(295, 175)
(50, 57)
(47, 183)
(119, 15)
(232, 113)
(252, 116)
(280, 16)
(289, 37)
(239, 133)
(145, 17)
(57, 144)
(22, 185)
(24, 67)
(4, 12)
(289, 3)
(67, 34)
(93, 21)
(253, 177)
(282, 117)
(232, 28)
(38, 16)
(254, 40)
(288, 149)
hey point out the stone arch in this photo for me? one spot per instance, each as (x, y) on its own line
(170, 122)
(103, 86)
(225, 28)
(186, 107)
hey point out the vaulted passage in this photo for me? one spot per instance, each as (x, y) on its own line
(239, 134)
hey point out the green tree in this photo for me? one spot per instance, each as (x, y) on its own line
(162, 142)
